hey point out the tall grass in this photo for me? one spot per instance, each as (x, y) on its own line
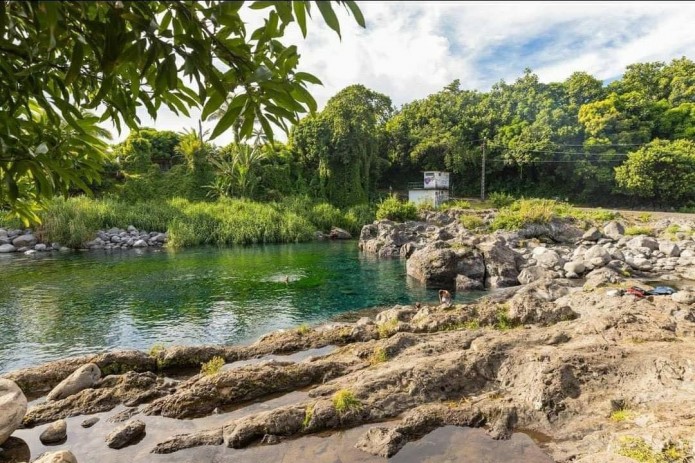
(74, 221)
(524, 212)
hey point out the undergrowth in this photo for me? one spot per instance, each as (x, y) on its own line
(212, 366)
(638, 449)
(344, 400)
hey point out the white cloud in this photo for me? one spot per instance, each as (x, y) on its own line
(411, 49)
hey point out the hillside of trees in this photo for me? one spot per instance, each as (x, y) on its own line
(628, 142)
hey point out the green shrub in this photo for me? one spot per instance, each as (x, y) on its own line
(386, 329)
(457, 204)
(358, 216)
(621, 415)
(344, 400)
(644, 217)
(393, 209)
(638, 449)
(303, 329)
(632, 231)
(379, 355)
(471, 222)
(212, 367)
(529, 211)
(499, 199)
(324, 216)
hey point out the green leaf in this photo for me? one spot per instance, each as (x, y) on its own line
(305, 76)
(329, 16)
(247, 126)
(212, 105)
(232, 114)
(260, 5)
(300, 15)
(266, 127)
(356, 12)
(75, 63)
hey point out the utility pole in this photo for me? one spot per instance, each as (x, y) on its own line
(482, 175)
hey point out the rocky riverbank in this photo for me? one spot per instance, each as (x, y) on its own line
(593, 373)
(29, 242)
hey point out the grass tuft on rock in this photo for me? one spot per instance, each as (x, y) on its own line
(634, 231)
(308, 415)
(303, 329)
(622, 415)
(379, 355)
(344, 400)
(212, 366)
(386, 329)
(471, 222)
(639, 450)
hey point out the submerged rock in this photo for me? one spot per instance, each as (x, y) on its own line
(382, 442)
(126, 434)
(13, 406)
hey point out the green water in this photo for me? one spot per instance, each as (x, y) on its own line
(57, 305)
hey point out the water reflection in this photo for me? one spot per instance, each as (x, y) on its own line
(67, 304)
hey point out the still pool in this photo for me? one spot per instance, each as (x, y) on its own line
(57, 305)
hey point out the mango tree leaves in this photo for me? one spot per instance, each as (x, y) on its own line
(115, 57)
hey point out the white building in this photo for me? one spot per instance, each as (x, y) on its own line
(434, 189)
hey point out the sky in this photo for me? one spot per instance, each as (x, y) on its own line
(412, 49)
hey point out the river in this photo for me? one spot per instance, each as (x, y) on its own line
(54, 305)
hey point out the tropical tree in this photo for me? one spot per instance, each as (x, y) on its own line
(237, 168)
(65, 57)
(662, 170)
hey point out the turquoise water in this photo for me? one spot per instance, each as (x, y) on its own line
(57, 305)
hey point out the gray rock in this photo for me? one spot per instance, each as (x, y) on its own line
(89, 422)
(549, 259)
(126, 434)
(13, 407)
(597, 256)
(83, 378)
(55, 433)
(162, 238)
(4, 239)
(639, 263)
(531, 274)
(574, 267)
(464, 283)
(6, 248)
(500, 263)
(113, 231)
(687, 253)
(592, 234)
(614, 229)
(132, 229)
(338, 234)
(381, 441)
(62, 456)
(643, 242)
(115, 239)
(140, 244)
(669, 249)
(24, 240)
(684, 297)
(40, 247)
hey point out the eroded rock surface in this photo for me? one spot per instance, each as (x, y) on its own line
(13, 406)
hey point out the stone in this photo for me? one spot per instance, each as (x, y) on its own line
(6, 248)
(160, 238)
(464, 283)
(62, 456)
(132, 229)
(30, 252)
(113, 231)
(339, 234)
(40, 247)
(24, 240)
(84, 377)
(437, 265)
(684, 297)
(126, 434)
(614, 229)
(549, 259)
(55, 433)
(643, 242)
(13, 406)
(140, 244)
(574, 267)
(531, 274)
(89, 422)
(500, 263)
(592, 234)
(116, 239)
(381, 441)
(669, 249)
(597, 255)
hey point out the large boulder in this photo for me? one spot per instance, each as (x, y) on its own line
(6, 248)
(669, 249)
(13, 406)
(642, 241)
(500, 263)
(126, 434)
(437, 264)
(84, 377)
(531, 274)
(62, 456)
(27, 240)
(464, 283)
(614, 230)
(597, 256)
(339, 234)
(548, 259)
(574, 268)
(558, 230)
(592, 234)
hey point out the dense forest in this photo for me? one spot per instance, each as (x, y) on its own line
(630, 142)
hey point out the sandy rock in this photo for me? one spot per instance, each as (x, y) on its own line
(55, 433)
(13, 406)
(83, 378)
(531, 274)
(126, 434)
(62, 456)
(381, 441)
(684, 297)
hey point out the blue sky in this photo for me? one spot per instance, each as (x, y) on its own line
(411, 49)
